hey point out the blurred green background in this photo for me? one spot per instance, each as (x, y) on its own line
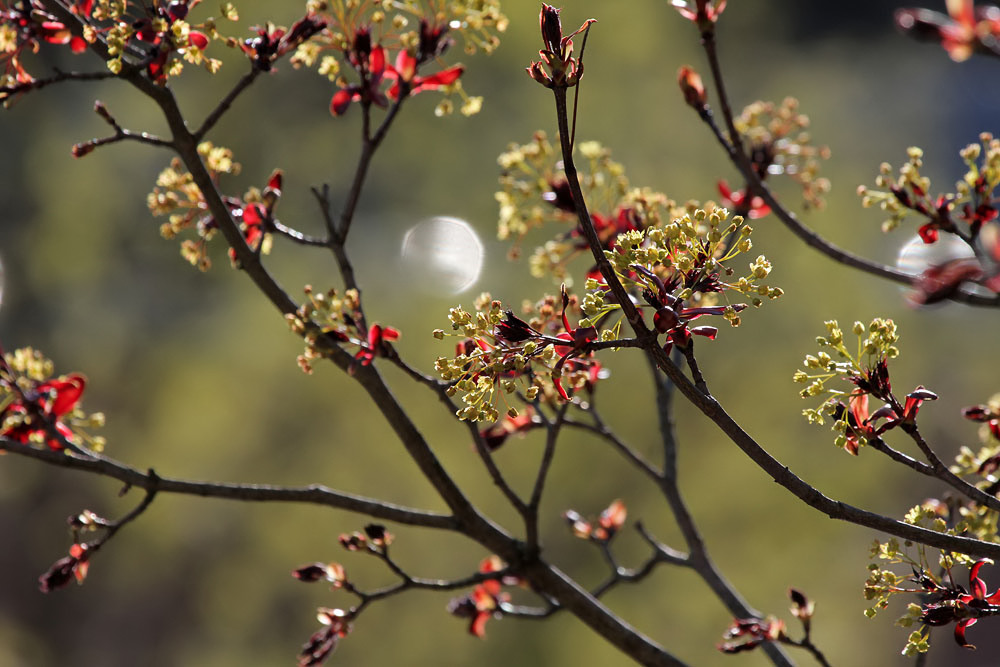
(198, 378)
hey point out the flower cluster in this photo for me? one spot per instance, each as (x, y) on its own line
(337, 317)
(964, 30)
(487, 599)
(943, 600)
(177, 196)
(37, 408)
(535, 194)
(501, 355)
(682, 270)
(970, 213)
(361, 37)
(867, 368)
(24, 26)
(780, 144)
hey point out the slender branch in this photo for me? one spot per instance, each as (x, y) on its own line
(551, 437)
(296, 236)
(942, 472)
(226, 102)
(111, 528)
(698, 558)
(600, 428)
(899, 457)
(58, 77)
(314, 494)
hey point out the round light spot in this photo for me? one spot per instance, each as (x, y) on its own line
(442, 255)
(915, 256)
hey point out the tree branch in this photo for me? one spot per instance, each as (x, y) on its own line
(314, 494)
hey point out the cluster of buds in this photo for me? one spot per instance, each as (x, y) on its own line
(338, 318)
(603, 530)
(564, 69)
(375, 539)
(547, 358)
(37, 408)
(336, 625)
(780, 144)
(272, 42)
(746, 634)
(176, 195)
(487, 600)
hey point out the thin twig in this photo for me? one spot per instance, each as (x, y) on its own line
(314, 494)
(227, 102)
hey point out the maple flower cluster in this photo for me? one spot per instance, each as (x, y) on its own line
(500, 357)
(534, 194)
(970, 213)
(867, 368)
(40, 409)
(780, 144)
(337, 318)
(178, 197)
(378, 52)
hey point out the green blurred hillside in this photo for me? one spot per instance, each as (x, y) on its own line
(197, 374)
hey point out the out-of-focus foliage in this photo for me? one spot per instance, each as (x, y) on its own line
(197, 375)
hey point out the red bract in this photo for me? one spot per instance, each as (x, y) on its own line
(272, 42)
(33, 413)
(670, 315)
(862, 425)
(371, 64)
(377, 334)
(938, 283)
(984, 414)
(963, 31)
(737, 201)
(497, 434)
(256, 218)
(955, 605)
(408, 82)
(65, 570)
